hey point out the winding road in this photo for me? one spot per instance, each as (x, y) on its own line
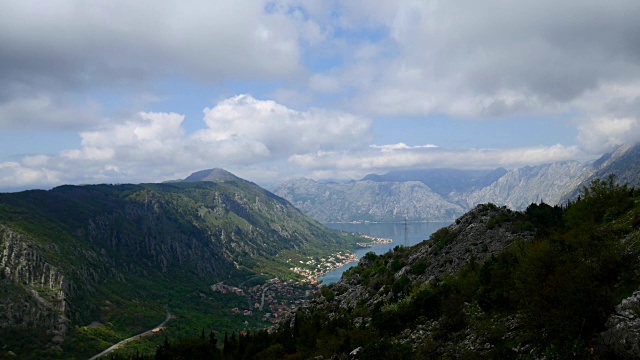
(263, 292)
(148, 332)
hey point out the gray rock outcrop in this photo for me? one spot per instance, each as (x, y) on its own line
(622, 336)
(36, 290)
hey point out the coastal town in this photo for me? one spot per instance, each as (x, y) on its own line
(269, 300)
(311, 268)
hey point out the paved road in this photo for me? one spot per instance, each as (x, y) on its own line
(263, 291)
(113, 347)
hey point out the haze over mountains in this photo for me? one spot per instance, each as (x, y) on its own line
(444, 194)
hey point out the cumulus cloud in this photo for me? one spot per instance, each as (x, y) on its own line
(279, 131)
(576, 60)
(241, 132)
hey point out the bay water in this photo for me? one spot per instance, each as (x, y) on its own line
(415, 233)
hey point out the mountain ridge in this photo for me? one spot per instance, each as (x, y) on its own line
(552, 183)
(442, 181)
(116, 254)
(367, 200)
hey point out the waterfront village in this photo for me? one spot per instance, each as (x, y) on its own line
(311, 268)
(276, 296)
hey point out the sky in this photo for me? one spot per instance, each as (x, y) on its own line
(147, 91)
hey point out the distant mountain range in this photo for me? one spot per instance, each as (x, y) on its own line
(367, 200)
(445, 194)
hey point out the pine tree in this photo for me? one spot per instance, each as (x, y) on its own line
(212, 338)
(226, 348)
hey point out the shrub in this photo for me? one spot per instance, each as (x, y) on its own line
(419, 268)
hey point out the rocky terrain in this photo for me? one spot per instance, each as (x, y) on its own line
(518, 188)
(623, 164)
(34, 291)
(468, 239)
(410, 195)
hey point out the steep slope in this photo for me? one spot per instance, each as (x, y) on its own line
(78, 254)
(531, 184)
(480, 233)
(623, 163)
(367, 201)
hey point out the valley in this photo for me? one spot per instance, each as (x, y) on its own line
(116, 254)
(86, 267)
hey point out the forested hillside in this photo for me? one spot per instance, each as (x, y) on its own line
(82, 267)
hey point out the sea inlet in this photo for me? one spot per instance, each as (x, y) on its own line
(413, 233)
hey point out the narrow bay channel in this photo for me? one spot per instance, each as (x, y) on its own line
(415, 233)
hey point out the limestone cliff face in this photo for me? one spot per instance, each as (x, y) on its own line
(623, 163)
(623, 329)
(444, 194)
(153, 243)
(519, 188)
(37, 289)
(368, 201)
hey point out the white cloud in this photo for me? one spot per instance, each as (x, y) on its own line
(401, 146)
(380, 159)
(411, 58)
(280, 131)
(14, 175)
(324, 83)
(603, 134)
(91, 41)
(242, 132)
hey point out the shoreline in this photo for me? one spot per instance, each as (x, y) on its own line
(325, 266)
